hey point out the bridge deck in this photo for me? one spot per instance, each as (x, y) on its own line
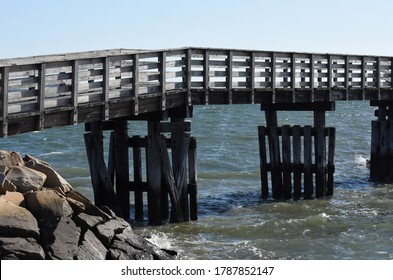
(57, 90)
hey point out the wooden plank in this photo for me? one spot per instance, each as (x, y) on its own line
(383, 151)
(263, 161)
(192, 179)
(330, 175)
(320, 154)
(5, 72)
(121, 166)
(180, 148)
(274, 152)
(176, 213)
(297, 173)
(375, 147)
(390, 150)
(103, 189)
(286, 162)
(111, 156)
(138, 193)
(153, 168)
(308, 177)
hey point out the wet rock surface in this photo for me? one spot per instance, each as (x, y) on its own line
(42, 217)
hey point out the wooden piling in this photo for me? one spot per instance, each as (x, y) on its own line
(286, 154)
(192, 178)
(153, 174)
(274, 148)
(122, 166)
(104, 194)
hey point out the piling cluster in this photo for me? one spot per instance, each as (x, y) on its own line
(43, 217)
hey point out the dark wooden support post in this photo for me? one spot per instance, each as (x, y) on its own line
(154, 173)
(274, 147)
(381, 160)
(104, 194)
(263, 162)
(320, 153)
(286, 153)
(192, 178)
(122, 166)
(180, 141)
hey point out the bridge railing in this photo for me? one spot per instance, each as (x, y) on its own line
(39, 86)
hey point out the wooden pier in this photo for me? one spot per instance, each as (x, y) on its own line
(106, 89)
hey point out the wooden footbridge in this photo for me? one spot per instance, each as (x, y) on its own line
(106, 89)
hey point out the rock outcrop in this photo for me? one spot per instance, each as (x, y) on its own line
(42, 217)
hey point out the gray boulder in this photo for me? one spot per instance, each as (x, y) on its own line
(91, 248)
(26, 179)
(53, 179)
(21, 248)
(16, 221)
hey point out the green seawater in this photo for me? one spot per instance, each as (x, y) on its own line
(234, 223)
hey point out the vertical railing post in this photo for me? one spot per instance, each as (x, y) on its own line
(5, 74)
(252, 77)
(273, 76)
(74, 92)
(188, 75)
(293, 76)
(135, 82)
(312, 77)
(206, 75)
(378, 77)
(163, 80)
(229, 77)
(363, 77)
(346, 77)
(106, 87)
(41, 96)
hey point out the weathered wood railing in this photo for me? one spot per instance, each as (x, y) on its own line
(48, 91)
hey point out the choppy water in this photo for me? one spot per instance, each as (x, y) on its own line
(234, 223)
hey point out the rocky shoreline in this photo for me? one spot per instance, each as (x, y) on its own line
(43, 217)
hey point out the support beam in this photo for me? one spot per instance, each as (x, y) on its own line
(122, 166)
(104, 194)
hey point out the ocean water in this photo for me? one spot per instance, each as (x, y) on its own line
(234, 223)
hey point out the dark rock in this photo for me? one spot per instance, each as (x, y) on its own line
(26, 179)
(16, 221)
(53, 180)
(21, 248)
(47, 205)
(120, 250)
(137, 242)
(106, 231)
(87, 222)
(91, 248)
(77, 207)
(90, 208)
(60, 241)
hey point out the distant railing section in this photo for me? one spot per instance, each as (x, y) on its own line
(35, 88)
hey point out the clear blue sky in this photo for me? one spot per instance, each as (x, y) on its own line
(33, 27)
